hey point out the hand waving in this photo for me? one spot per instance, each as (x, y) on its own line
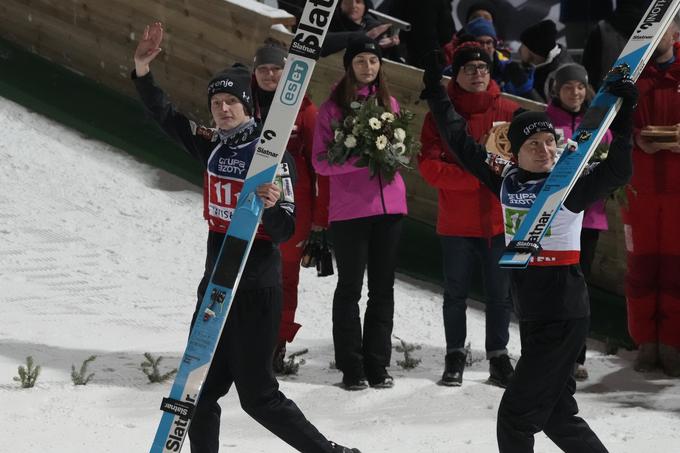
(148, 48)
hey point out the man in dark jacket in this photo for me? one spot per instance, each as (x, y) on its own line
(541, 53)
(244, 353)
(606, 41)
(430, 20)
(352, 21)
(550, 295)
(581, 16)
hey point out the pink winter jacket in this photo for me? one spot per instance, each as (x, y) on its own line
(595, 217)
(353, 193)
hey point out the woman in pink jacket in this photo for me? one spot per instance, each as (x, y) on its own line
(365, 216)
(571, 98)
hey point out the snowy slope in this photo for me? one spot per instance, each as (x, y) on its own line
(100, 254)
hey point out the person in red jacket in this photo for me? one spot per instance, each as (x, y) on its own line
(469, 220)
(652, 218)
(310, 191)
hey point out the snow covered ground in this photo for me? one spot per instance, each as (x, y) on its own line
(100, 255)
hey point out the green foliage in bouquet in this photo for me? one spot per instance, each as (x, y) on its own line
(381, 140)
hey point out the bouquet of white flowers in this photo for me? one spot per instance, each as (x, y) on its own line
(380, 139)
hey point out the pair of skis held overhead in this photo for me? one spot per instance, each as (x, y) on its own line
(304, 52)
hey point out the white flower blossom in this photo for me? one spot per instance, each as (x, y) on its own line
(387, 116)
(338, 135)
(400, 134)
(374, 123)
(381, 142)
(350, 141)
(399, 149)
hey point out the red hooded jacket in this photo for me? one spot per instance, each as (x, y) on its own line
(658, 106)
(466, 207)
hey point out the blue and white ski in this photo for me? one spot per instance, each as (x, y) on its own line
(603, 109)
(304, 51)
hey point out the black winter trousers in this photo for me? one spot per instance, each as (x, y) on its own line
(540, 396)
(365, 243)
(244, 358)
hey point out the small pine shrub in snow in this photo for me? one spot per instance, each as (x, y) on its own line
(81, 377)
(470, 358)
(290, 365)
(29, 374)
(150, 368)
(406, 348)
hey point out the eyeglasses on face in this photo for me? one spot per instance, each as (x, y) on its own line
(471, 68)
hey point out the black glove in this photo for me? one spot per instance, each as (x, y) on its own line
(433, 63)
(625, 89)
(515, 73)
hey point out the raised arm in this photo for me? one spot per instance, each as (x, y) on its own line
(148, 48)
(453, 128)
(175, 124)
(617, 169)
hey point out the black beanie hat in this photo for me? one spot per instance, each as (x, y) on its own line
(481, 4)
(540, 38)
(270, 54)
(360, 45)
(567, 72)
(235, 81)
(525, 125)
(465, 53)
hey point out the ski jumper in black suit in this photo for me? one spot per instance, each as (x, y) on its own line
(550, 295)
(245, 351)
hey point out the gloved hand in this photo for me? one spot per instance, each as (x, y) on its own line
(625, 89)
(433, 63)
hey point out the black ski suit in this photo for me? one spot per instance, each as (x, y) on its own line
(551, 301)
(245, 351)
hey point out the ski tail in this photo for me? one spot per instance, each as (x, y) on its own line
(305, 49)
(588, 135)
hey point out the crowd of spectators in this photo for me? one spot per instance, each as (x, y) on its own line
(479, 205)
(560, 65)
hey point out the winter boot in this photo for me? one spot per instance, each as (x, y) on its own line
(385, 381)
(354, 383)
(454, 364)
(500, 370)
(340, 449)
(279, 356)
(670, 360)
(647, 358)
